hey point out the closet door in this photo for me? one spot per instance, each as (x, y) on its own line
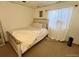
(1, 35)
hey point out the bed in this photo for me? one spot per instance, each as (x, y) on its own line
(24, 38)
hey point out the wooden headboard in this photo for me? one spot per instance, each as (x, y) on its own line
(44, 22)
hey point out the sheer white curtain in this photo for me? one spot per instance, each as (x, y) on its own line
(59, 20)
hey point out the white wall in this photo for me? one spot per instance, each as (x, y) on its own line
(15, 16)
(74, 28)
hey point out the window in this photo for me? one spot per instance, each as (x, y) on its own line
(40, 13)
(60, 18)
(59, 22)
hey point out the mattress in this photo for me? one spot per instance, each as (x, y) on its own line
(29, 36)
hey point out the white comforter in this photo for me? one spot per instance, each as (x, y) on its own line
(27, 37)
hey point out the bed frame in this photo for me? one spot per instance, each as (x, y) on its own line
(16, 44)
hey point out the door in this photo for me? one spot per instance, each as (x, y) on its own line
(1, 35)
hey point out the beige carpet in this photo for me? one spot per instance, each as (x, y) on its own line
(45, 48)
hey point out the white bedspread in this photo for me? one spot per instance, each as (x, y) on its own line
(27, 37)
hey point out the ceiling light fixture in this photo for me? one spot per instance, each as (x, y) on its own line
(24, 1)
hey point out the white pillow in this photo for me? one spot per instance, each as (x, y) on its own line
(37, 25)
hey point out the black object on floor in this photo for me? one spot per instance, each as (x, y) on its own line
(69, 43)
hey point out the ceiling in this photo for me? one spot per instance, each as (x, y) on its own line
(34, 3)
